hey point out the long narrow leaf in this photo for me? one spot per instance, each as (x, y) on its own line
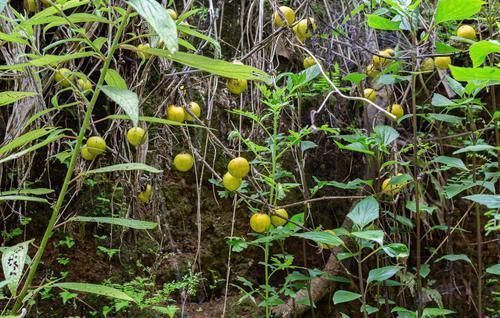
(133, 224)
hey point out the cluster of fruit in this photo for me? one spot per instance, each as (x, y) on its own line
(237, 169)
(65, 78)
(261, 222)
(179, 114)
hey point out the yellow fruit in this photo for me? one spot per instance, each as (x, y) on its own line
(237, 86)
(391, 189)
(84, 151)
(372, 71)
(145, 195)
(260, 222)
(140, 51)
(230, 182)
(63, 77)
(427, 65)
(183, 162)
(287, 13)
(172, 13)
(303, 29)
(84, 84)
(397, 110)
(176, 113)
(277, 220)
(466, 31)
(380, 61)
(136, 136)
(370, 94)
(238, 167)
(308, 62)
(96, 145)
(327, 246)
(29, 5)
(195, 109)
(442, 62)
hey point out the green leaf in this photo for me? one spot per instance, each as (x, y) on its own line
(425, 270)
(125, 167)
(155, 120)
(375, 235)
(321, 237)
(451, 119)
(187, 30)
(386, 134)
(95, 289)
(494, 269)
(450, 10)
(37, 191)
(344, 296)
(443, 48)
(169, 310)
(433, 312)
(355, 78)
(365, 212)
(128, 101)
(474, 148)
(160, 21)
(465, 74)
(451, 162)
(492, 201)
(12, 37)
(454, 258)
(396, 250)
(22, 198)
(480, 50)
(47, 60)
(113, 78)
(130, 223)
(381, 274)
(9, 97)
(13, 260)
(26, 138)
(381, 23)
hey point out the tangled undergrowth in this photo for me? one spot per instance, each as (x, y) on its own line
(249, 158)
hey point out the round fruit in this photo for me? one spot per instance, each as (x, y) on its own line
(84, 84)
(370, 94)
(391, 189)
(427, 65)
(397, 110)
(238, 167)
(29, 5)
(260, 222)
(308, 62)
(230, 182)
(379, 61)
(372, 71)
(237, 86)
(176, 113)
(442, 62)
(195, 109)
(136, 136)
(287, 13)
(140, 51)
(304, 27)
(63, 77)
(172, 13)
(327, 246)
(145, 195)
(279, 218)
(466, 31)
(84, 151)
(183, 162)
(96, 145)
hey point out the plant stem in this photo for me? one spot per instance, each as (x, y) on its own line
(266, 272)
(69, 173)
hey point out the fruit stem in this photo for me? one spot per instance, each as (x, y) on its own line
(69, 173)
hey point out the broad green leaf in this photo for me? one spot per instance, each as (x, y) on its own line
(113, 78)
(465, 74)
(344, 296)
(125, 167)
(381, 274)
(12, 38)
(480, 50)
(95, 289)
(443, 48)
(159, 19)
(450, 10)
(422, 207)
(22, 198)
(9, 97)
(356, 147)
(126, 99)
(451, 119)
(451, 162)
(26, 138)
(492, 201)
(365, 212)
(454, 258)
(494, 269)
(13, 260)
(381, 23)
(441, 101)
(374, 235)
(474, 148)
(130, 223)
(169, 310)
(321, 237)
(386, 134)
(425, 270)
(434, 312)
(396, 250)
(355, 78)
